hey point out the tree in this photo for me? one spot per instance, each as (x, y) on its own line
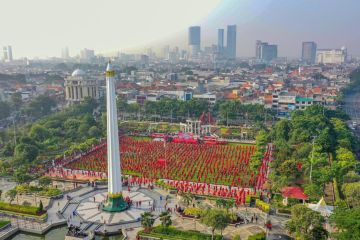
(261, 142)
(41, 207)
(4, 110)
(187, 198)
(147, 221)
(94, 132)
(225, 203)
(39, 133)
(352, 193)
(305, 223)
(347, 223)
(313, 190)
(44, 181)
(216, 219)
(11, 194)
(41, 106)
(25, 153)
(165, 219)
(21, 176)
(16, 100)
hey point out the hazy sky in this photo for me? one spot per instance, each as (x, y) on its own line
(42, 27)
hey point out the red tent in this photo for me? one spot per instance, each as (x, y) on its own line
(294, 192)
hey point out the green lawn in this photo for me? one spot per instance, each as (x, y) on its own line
(240, 144)
(3, 223)
(141, 138)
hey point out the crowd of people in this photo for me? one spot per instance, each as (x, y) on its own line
(218, 170)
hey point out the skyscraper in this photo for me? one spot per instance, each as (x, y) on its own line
(220, 44)
(87, 54)
(7, 54)
(258, 49)
(308, 52)
(65, 53)
(265, 51)
(194, 39)
(231, 41)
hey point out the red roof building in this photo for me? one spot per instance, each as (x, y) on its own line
(294, 192)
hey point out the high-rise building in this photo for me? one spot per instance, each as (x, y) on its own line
(220, 43)
(194, 39)
(231, 41)
(166, 51)
(258, 49)
(331, 56)
(267, 52)
(7, 54)
(87, 54)
(308, 52)
(65, 53)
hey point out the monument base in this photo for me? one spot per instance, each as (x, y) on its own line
(116, 204)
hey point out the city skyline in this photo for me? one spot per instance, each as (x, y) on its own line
(280, 22)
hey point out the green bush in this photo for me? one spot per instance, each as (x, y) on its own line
(193, 212)
(284, 210)
(173, 233)
(237, 237)
(265, 207)
(50, 192)
(20, 209)
(162, 184)
(42, 191)
(258, 236)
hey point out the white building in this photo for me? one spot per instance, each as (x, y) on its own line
(79, 85)
(331, 56)
(210, 97)
(7, 54)
(87, 54)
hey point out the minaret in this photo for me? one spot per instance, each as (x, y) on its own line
(116, 202)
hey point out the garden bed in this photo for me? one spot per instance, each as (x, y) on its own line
(40, 191)
(19, 209)
(176, 234)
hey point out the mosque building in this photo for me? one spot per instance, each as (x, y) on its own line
(80, 85)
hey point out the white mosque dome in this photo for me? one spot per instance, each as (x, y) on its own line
(78, 72)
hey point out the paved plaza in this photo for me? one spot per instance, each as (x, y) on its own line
(89, 209)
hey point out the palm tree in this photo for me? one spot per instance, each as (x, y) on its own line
(165, 219)
(187, 198)
(147, 221)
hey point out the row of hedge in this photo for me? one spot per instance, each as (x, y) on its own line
(162, 184)
(41, 191)
(265, 207)
(30, 210)
(176, 234)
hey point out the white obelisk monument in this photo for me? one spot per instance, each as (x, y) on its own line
(116, 202)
